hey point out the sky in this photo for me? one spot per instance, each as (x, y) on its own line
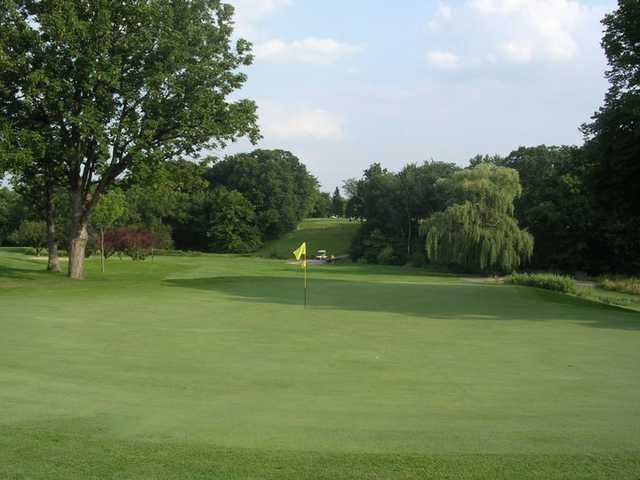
(343, 84)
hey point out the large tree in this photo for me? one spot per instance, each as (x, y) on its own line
(120, 84)
(478, 231)
(337, 203)
(231, 223)
(320, 205)
(276, 183)
(613, 143)
(555, 205)
(392, 205)
(37, 181)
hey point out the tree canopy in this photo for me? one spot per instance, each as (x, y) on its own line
(276, 183)
(478, 230)
(613, 144)
(110, 86)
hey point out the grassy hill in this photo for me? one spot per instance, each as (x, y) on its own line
(332, 235)
(208, 367)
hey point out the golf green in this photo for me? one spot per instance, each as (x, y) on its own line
(210, 367)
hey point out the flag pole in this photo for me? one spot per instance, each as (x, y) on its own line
(301, 253)
(305, 279)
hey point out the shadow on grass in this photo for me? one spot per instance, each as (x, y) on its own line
(446, 301)
(22, 273)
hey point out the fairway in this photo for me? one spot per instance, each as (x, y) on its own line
(209, 367)
(331, 234)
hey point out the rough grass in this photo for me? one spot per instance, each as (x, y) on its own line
(548, 281)
(610, 297)
(209, 367)
(332, 235)
(629, 285)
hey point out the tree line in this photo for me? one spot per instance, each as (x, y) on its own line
(564, 208)
(94, 91)
(101, 105)
(230, 205)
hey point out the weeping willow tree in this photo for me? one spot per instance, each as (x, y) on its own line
(478, 231)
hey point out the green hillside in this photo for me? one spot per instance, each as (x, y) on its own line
(330, 234)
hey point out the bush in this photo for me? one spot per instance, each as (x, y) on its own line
(136, 242)
(31, 234)
(621, 284)
(386, 256)
(548, 281)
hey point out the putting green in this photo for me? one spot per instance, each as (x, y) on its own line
(209, 367)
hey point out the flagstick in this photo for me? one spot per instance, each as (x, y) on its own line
(305, 280)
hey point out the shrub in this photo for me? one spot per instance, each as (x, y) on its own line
(136, 242)
(548, 281)
(621, 284)
(31, 234)
(386, 256)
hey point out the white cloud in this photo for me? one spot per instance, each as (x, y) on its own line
(299, 121)
(250, 12)
(443, 60)
(443, 14)
(312, 50)
(535, 29)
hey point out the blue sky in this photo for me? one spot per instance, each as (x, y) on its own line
(343, 84)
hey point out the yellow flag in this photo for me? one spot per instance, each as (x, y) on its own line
(300, 251)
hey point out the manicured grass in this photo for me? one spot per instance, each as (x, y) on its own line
(332, 235)
(209, 367)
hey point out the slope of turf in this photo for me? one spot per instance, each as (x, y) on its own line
(330, 234)
(208, 367)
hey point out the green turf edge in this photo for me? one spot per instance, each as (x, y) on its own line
(35, 452)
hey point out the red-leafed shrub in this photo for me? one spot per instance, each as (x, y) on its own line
(136, 242)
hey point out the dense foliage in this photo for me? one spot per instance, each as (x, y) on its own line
(478, 230)
(320, 205)
(12, 211)
(613, 146)
(276, 183)
(232, 225)
(32, 234)
(554, 205)
(91, 90)
(337, 203)
(194, 206)
(393, 205)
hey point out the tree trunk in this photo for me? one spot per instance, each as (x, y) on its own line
(53, 262)
(79, 237)
(102, 248)
(77, 247)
